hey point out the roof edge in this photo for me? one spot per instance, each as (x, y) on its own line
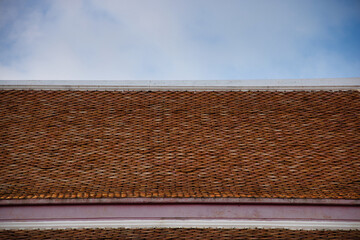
(305, 201)
(178, 88)
(181, 223)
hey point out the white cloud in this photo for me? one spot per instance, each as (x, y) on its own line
(159, 39)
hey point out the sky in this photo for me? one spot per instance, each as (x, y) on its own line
(179, 39)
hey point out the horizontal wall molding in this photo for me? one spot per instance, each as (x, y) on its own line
(304, 201)
(180, 211)
(177, 88)
(295, 225)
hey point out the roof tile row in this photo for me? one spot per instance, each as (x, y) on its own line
(177, 233)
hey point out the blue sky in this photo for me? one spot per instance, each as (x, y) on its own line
(179, 39)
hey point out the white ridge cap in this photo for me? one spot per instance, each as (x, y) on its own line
(331, 84)
(193, 83)
(177, 88)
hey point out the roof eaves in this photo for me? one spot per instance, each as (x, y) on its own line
(282, 201)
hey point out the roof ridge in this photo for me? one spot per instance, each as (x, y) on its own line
(179, 88)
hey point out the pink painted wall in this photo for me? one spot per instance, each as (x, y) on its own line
(189, 211)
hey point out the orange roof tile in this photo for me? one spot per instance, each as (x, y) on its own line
(177, 233)
(96, 144)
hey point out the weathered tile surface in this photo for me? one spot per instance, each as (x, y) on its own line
(78, 144)
(178, 233)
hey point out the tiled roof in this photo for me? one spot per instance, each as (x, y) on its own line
(178, 233)
(78, 144)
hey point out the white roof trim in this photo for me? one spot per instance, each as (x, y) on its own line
(195, 85)
(202, 223)
(190, 83)
(178, 88)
